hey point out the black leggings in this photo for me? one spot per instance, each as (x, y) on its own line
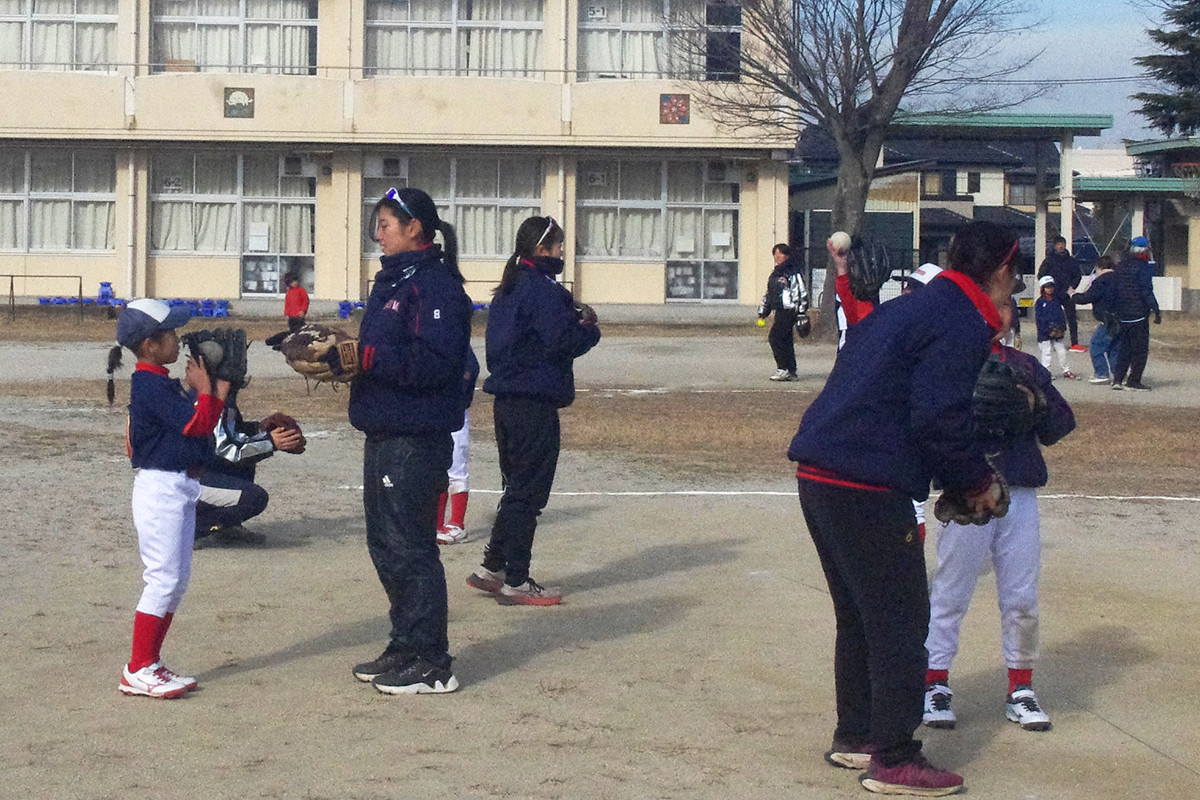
(782, 339)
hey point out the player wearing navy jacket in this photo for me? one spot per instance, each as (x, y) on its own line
(895, 413)
(414, 338)
(535, 332)
(1013, 545)
(169, 440)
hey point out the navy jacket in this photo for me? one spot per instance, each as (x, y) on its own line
(534, 336)
(896, 409)
(1064, 270)
(415, 335)
(1021, 462)
(159, 410)
(1135, 289)
(1049, 313)
(1101, 295)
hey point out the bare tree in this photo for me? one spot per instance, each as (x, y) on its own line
(848, 65)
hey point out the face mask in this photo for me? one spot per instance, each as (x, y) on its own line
(549, 265)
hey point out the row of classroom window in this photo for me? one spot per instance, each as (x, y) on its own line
(617, 39)
(219, 203)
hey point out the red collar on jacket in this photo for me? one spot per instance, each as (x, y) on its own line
(987, 309)
(146, 366)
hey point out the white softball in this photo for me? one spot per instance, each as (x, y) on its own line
(840, 241)
(212, 352)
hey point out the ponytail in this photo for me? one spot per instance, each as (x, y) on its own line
(114, 363)
(450, 250)
(533, 231)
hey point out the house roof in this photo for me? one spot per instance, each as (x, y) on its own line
(1088, 188)
(817, 150)
(1007, 216)
(1162, 146)
(942, 218)
(999, 126)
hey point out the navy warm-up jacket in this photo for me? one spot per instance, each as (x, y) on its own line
(414, 338)
(534, 336)
(895, 412)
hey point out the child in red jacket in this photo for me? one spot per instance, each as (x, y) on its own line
(295, 302)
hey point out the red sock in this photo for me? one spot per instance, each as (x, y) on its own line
(145, 640)
(162, 634)
(441, 517)
(458, 509)
(937, 676)
(1019, 677)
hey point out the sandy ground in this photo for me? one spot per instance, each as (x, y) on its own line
(691, 659)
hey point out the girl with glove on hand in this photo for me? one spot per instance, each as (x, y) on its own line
(535, 332)
(408, 400)
(894, 414)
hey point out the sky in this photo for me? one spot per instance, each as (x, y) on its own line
(1091, 39)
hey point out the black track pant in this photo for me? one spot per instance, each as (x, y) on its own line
(874, 562)
(527, 437)
(1133, 352)
(783, 340)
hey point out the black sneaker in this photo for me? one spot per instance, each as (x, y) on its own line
(419, 677)
(1137, 386)
(387, 662)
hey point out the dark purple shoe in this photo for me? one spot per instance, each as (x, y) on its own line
(916, 777)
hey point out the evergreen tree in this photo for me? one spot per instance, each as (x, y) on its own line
(1179, 68)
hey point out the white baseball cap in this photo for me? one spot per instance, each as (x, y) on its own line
(143, 318)
(1045, 280)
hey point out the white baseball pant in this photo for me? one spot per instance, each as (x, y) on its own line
(164, 513)
(1059, 347)
(1013, 545)
(462, 450)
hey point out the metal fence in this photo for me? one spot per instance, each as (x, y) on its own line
(12, 296)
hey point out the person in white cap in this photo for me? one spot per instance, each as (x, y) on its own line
(1052, 326)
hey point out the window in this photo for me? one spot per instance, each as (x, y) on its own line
(270, 36)
(221, 203)
(682, 212)
(659, 39)
(57, 200)
(974, 181)
(1022, 194)
(58, 34)
(454, 37)
(485, 198)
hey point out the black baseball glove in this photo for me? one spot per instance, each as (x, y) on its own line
(1006, 401)
(803, 325)
(223, 351)
(868, 269)
(953, 507)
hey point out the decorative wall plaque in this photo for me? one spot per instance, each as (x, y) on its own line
(239, 103)
(674, 109)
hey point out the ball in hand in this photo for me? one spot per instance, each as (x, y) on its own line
(840, 241)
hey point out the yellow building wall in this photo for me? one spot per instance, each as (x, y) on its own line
(615, 282)
(193, 277)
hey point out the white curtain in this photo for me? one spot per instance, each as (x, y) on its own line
(50, 224)
(722, 223)
(95, 172)
(11, 34)
(262, 213)
(683, 234)
(12, 171)
(476, 228)
(296, 228)
(95, 224)
(50, 171)
(215, 228)
(508, 220)
(95, 46)
(260, 176)
(217, 48)
(510, 53)
(52, 45)
(641, 233)
(12, 223)
(171, 226)
(597, 234)
(629, 45)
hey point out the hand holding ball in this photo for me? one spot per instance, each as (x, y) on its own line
(212, 353)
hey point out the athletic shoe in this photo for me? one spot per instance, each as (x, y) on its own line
(419, 677)
(151, 681)
(780, 375)
(791, 376)
(938, 713)
(1069, 375)
(229, 535)
(387, 662)
(485, 580)
(849, 755)
(1077, 348)
(1100, 379)
(452, 535)
(1120, 387)
(917, 777)
(1137, 387)
(188, 682)
(529, 593)
(1023, 709)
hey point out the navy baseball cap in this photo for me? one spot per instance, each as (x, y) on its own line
(143, 318)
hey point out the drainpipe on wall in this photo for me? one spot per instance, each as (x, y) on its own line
(131, 266)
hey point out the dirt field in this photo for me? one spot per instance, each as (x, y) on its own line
(691, 659)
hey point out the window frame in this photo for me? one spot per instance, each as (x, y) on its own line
(28, 196)
(457, 26)
(28, 18)
(159, 65)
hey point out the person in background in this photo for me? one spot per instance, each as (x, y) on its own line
(1101, 294)
(295, 302)
(1135, 303)
(787, 298)
(1051, 325)
(1060, 265)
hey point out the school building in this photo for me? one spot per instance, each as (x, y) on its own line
(202, 148)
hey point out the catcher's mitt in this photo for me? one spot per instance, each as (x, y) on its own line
(322, 353)
(1056, 332)
(1001, 401)
(951, 507)
(224, 353)
(803, 326)
(868, 269)
(280, 420)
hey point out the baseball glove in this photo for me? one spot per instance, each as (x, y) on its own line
(224, 353)
(952, 507)
(1056, 332)
(322, 353)
(803, 326)
(868, 269)
(1001, 401)
(280, 420)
